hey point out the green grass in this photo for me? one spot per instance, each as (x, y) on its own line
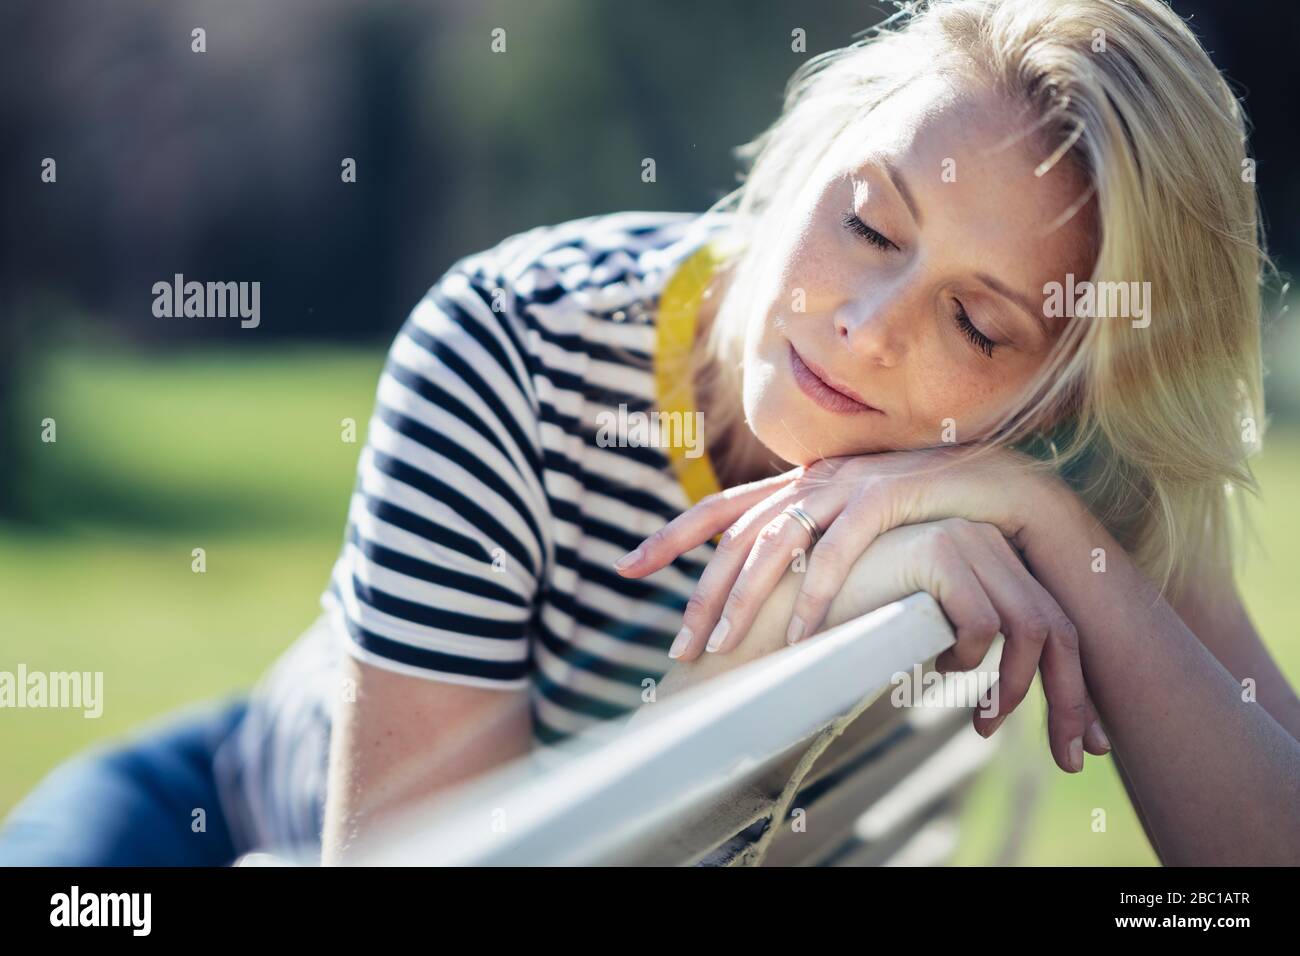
(241, 455)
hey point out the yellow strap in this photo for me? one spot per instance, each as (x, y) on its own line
(679, 307)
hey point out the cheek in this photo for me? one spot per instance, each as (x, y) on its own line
(810, 273)
(951, 396)
(818, 265)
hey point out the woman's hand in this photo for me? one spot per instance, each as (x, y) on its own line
(968, 566)
(853, 500)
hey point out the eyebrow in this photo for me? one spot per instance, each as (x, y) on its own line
(900, 184)
(1020, 300)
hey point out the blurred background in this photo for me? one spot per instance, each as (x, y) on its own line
(225, 165)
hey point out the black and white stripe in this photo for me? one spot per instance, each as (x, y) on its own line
(482, 447)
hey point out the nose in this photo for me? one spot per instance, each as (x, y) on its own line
(875, 325)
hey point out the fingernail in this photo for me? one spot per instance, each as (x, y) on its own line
(1098, 736)
(718, 636)
(795, 631)
(1076, 754)
(625, 562)
(993, 726)
(680, 642)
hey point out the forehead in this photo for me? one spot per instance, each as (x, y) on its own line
(942, 113)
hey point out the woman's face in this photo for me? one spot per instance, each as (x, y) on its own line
(905, 305)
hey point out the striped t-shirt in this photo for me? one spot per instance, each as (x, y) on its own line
(490, 503)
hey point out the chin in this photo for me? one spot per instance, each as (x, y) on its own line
(791, 431)
(765, 419)
(781, 444)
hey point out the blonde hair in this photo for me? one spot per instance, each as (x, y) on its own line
(1158, 415)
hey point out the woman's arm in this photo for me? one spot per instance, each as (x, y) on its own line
(1217, 776)
(405, 738)
(1212, 609)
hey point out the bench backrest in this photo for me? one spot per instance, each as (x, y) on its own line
(798, 758)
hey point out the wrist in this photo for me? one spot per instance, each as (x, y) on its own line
(1048, 511)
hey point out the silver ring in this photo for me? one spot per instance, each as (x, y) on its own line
(805, 519)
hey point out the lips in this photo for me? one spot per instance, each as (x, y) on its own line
(811, 382)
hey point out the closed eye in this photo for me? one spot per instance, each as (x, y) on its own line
(968, 329)
(853, 224)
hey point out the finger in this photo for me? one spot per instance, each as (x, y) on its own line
(1063, 685)
(964, 599)
(771, 554)
(697, 524)
(841, 544)
(1014, 594)
(1095, 740)
(1036, 632)
(701, 617)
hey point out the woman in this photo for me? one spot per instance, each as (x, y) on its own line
(888, 304)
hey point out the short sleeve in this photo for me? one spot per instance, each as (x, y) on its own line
(448, 527)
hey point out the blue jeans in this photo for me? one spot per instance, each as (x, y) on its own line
(132, 803)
